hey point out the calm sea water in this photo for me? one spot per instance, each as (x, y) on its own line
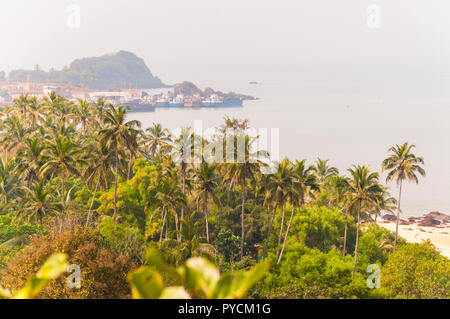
(350, 122)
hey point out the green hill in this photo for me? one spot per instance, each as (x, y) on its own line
(120, 70)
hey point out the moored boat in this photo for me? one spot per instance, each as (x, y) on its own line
(177, 102)
(137, 106)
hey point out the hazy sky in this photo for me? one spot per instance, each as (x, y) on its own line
(316, 59)
(201, 39)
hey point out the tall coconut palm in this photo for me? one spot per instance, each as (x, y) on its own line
(60, 107)
(323, 170)
(100, 108)
(39, 203)
(338, 198)
(385, 202)
(9, 183)
(21, 104)
(304, 184)
(133, 150)
(293, 196)
(13, 133)
(82, 114)
(271, 202)
(158, 139)
(183, 145)
(363, 188)
(402, 164)
(62, 158)
(279, 185)
(116, 135)
(29, 160)
(168, 198)
(191, 246)
(245, 168)
(98, 171)
(205, 184)
(35, 115)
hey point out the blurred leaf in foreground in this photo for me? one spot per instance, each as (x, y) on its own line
(52, 268)
(197, 278)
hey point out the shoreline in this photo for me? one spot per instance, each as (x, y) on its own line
(413, 233)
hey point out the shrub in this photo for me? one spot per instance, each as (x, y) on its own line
(416, 271)
(318, 227)
(123, 239)
(103, 272)
(309, 274)
(375, 244)
(228, 244)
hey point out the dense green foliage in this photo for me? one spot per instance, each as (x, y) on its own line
(416, 271)
(123, 239)
(9, 230)
(321, 228)
(315, 267)
(310, 273)
(87, 182)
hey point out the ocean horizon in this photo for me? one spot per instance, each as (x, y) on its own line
(349, 122)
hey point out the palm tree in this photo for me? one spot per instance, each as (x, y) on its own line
(339, 186)
(82, 113)
(117, 134)
(293, 196)
(385, 202)
(21, 103)
(58, 106)
(29, 160)
(100, 108)
(191, 246)
(205, 185)
(271, 201)
(98, 171)
(9, 183)
(158, 139)
(246, 168)
(133, 150)
(183, 144)
(168, 198)
(176, 253)
(34, 106)
(363, 188)
(48, 124)
(278, 186)
(13, 133)
(67, 130)
(323, 170)
(39, 203)
(61, 157)
(64, 110)
(303, 185)
(402, 165)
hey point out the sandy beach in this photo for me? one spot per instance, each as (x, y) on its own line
(438, 235)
